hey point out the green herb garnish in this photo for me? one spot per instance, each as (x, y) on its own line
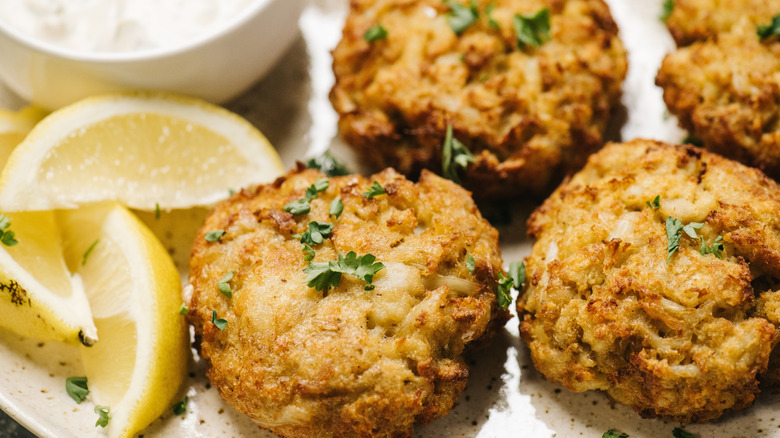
(319, 186)
(532, 29)
(656, 203)
(674, 231)
(328, 164)
(461, 17)
(668, 7)
(374, 190)
(7, 237)
(214, 235)
(336, 208)
(322, 276)
(612, 434)
(491, 22)
(224, 285)
(220, 323)
(681, 433)
(769, 30)
(715, 249)
(183, 309)
(454, 154)
(471, 264)
(316, 232)
(503, 296)
(104, 416)
(375, 33)
(157, 210)
(517, 272)
(301, 206)
(308, 253)
(180, 407)
(76, 387)
(693, 140)
(88, 252)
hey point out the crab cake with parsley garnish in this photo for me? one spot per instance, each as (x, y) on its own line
(341, 306)
(526, 88)
(726, 90)
(699, 20)
(654, 277)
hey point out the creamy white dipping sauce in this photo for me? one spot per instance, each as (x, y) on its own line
(118, 25)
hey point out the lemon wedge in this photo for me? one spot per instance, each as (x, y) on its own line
(38, 296)
(144, 149)
(14, 127)
(140, 361)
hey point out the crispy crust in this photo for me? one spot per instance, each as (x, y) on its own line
(351, 363)
(700, 20)
(602, 308)
(529, 116)
(726, 92)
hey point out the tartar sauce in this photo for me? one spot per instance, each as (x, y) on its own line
(118, 25)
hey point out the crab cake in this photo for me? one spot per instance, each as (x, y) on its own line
(344, 345)
(528, 115)
(699, 20)
(678, 330)
(726, 92)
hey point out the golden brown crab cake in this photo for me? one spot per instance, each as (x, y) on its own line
(726, 92)
(699, 20)
(682, 334)
(527, 115)
(359, 358)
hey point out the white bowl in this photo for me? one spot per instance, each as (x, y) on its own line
(217, 66)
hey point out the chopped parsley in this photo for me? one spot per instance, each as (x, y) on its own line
(682, 433)
(375, 33)
(157, 210)
(319, 186)
(503, 296)
(180, 407)
(214, 235)
(316, 232)
(328, 164)
(7, 237)
(374, 190)
(88, 252)
(715, 249)
(104, 416)
(491, 22)
(322, 276)
(696, 141)
(612, 434)
(76, 387)
(532, 29)
(655, 203)
(454, 154)
(770, 30)
(308, 253)
(517, 272)
(668, 7)
(336, 208)
(183, 309)
(220, 323)
(302, 206)
(224, 285)
(461, 17)
(674, 231)
(471, 264)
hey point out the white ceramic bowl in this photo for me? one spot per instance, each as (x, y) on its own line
(216, 66)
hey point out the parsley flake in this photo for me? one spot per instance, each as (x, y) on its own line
(517, 272)
(7, 237)
(454, 154)
(532, 29)
(471, 264)
(224, 285)
(322, 276)
(715, 249)
(693, 140)
(503, 296)
(183, 309)
(214, 235)
(769, 30)
(88, 252)
(668, 7)
(180, 407)
(336, 208)
(301, 206)
(308, 253)
(612, 434)
(76, 387)
(157, 210)
(375, 33)
(104, 416)
(328, 164)
(319, 186)
(374, 190)
(674, 231)
(220, 323)
(316, 232)
(682, 433)
(491, 22)
(461, 17)
(656, 202)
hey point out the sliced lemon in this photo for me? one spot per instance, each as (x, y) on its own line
(140, 361)
(38, 296)
(14, 127)
(144, 149)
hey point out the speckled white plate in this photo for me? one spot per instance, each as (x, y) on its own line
(505, 396)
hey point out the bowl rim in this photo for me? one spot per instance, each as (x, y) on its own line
(253, 9)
